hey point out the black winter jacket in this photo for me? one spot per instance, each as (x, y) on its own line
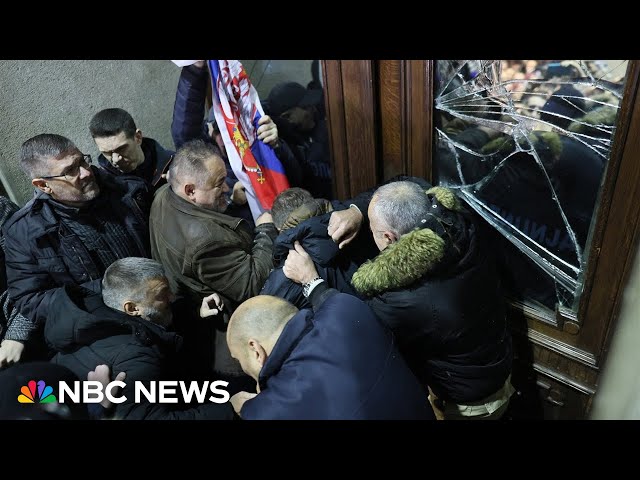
(445, 305)
(87, 333)
(335, 266)
(42, 254)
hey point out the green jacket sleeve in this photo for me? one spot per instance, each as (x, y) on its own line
(234, 272)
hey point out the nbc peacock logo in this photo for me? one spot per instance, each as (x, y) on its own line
(28, 393)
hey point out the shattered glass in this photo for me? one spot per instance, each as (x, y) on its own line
(526, 144)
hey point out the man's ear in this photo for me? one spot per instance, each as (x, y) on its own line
(390, 237)
(130, 308)
(190, 191)
(138, 136)
(257, 351)
(41, 184)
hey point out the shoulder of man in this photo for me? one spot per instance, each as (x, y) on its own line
(23, 217)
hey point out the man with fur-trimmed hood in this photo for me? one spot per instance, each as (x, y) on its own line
(435, 284)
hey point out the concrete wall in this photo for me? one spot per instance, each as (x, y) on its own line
(61, 96)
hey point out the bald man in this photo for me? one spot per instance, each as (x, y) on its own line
(334, 363)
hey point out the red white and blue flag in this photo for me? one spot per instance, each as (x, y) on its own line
(237, 110)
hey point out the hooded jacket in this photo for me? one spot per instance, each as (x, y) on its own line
(308, 225)
(337, 363)
(87, 333)
(438, 290)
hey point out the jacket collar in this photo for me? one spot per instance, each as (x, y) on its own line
(446, 241)
(306, 211)
(401, 263)
(156, 161)
(294, 331)
(194, 210)
(80, 318)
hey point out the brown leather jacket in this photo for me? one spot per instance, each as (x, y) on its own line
(205, 251)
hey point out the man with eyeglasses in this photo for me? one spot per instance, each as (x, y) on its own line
(79, 222)
(123, 149)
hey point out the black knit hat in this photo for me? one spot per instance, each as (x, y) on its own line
(287, 95)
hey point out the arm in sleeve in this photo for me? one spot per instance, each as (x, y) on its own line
(233, 272)
(30, 287)
(289, 162)
(18, 327)
(320, 294)
(188, 109)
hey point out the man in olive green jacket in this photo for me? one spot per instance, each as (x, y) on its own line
(205, 251)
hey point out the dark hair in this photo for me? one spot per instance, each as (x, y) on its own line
(42, 147)
(112, 121)
(189, 160)
(286, 202)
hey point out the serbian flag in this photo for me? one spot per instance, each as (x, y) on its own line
(237, 110)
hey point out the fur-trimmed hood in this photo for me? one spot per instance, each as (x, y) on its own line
(442, 244)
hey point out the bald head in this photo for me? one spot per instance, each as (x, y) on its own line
(254, 329)
(260, 317)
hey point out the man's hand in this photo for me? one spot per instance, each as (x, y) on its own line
(264, 218)
(239, 196)
(344, 225)
(237, 401)
(103, 375)
(298, 267)
(10, 352)
(268, 131)
(205, 308)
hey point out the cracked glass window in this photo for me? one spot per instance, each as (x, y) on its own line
(526, 144)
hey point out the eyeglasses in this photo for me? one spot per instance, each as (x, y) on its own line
(73, 172)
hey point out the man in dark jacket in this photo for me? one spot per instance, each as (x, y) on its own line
(336, 362)
(203, 249)
(187, 124)
(435, 284)
(79, 222)
(123, 149)
(300, 217)
(127, 328)
(299, 114)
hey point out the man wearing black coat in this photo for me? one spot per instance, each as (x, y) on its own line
(78, 223)
(336, 362)
(124, 151)
(127, 327)
(436, 286)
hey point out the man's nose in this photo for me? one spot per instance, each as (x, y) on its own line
(116, 157)
(85, 172)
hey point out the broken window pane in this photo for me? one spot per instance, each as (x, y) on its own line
(526, 143)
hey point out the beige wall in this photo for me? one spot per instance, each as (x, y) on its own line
(618, 395)
(61, 96)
